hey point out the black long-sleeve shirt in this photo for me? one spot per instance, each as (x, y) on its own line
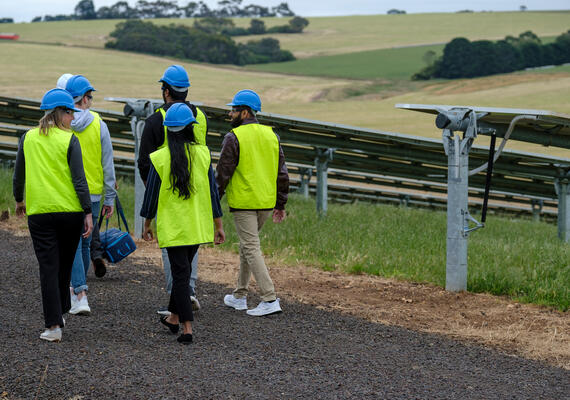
(150, 202)
(75, 162)
(153, 137)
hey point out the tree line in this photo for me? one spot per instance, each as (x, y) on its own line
(464, 59)
(85, 9)
(193, 43)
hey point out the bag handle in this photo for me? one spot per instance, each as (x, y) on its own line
(120, 215)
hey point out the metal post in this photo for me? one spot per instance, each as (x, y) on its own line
(137, 126)
(536, 208)
(562, 186)
(305, 179)
(321, 162)
(457, 221)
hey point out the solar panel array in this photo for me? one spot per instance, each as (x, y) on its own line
(367, 164)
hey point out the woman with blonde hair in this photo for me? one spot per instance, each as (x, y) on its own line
(49, 170)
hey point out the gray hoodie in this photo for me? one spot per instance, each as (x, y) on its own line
(81, 121)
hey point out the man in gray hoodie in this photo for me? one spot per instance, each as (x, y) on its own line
(97, 154)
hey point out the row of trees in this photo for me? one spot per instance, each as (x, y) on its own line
(85, 9)
(226, 26)
(194, 44)
(464, 59)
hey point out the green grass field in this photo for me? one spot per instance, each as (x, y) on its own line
(519, 258)
(334, 35)
(394, 64)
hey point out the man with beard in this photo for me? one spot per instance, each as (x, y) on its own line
(175, 84)
(252, 171)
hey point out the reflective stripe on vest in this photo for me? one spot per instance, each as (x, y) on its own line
(90, 140)
(200, 129)
(48, 179)
(181, 222)
(253, 185)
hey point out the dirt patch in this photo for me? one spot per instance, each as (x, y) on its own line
(530, 331)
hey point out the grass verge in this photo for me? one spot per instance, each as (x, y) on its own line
(518, 258)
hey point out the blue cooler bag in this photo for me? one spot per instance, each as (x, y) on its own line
(116, 243)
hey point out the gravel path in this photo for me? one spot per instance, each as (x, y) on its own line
(122, 352)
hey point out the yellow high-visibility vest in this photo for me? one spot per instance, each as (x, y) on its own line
(253, 185)
(90, 140)
(181, 222)
(49, 187)
(200, 129)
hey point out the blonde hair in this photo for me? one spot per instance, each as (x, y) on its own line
(51, 119)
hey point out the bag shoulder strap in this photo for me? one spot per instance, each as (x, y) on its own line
(120, 215)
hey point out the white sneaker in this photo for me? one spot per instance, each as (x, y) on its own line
(195, 303)
(73, 297)
(265, 308)
(81, 307)
(51, 335)
(238, 304)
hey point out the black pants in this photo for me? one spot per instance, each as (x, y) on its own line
(55, 237)
(181, 267)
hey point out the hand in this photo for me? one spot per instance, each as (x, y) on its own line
(87, 225)
(108, 211)
(278, 215)
(219, 236)
(20, 209)
(147, 233)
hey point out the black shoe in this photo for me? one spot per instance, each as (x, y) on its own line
(185, 338)
(173, 327)
(100, 268)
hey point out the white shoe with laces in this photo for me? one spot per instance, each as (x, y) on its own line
(51, 335)
(265, 308)
(81, 307)
(238, 304)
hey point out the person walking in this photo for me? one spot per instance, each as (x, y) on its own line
(181, 192)
(175, 84)
(96, 249)
(49, 170)
(97, 152)
(252, 171)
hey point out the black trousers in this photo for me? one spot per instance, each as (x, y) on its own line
(55, 237)
(181, 267)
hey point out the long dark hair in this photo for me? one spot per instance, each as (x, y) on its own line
(180, 164)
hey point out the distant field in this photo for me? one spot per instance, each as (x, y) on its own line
(28, 70)
(335, 35)
(400, 63)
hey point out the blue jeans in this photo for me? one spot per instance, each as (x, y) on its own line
(168, 272)
(82, 258)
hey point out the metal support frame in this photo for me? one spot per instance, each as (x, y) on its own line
(536, 205)
(562, 186)
(321, 162)
(305, 175)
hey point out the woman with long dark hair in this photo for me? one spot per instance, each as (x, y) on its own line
(49, 168)
(181, 192)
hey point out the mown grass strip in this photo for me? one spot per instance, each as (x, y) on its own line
(519, 258)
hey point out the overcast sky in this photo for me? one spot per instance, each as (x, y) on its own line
(25, 10)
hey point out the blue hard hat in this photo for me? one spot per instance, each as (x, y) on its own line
(78, 85)
(178, 115)
(248, 98)
(176, 76)
(57, 98)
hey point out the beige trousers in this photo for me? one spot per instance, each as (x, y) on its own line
(248, 224)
